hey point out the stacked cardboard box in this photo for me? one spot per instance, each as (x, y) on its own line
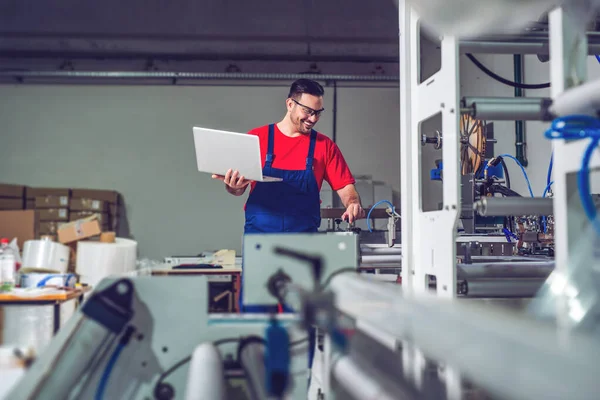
(56, 206)
(11, 197)
(105, 203)
(52, 207)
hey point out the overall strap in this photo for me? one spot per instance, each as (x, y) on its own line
(311, 149)
(270, 146)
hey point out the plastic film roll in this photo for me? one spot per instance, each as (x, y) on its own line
(45, 254)
(32, 327)
(97, 260)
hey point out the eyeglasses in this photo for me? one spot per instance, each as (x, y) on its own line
(309, 110)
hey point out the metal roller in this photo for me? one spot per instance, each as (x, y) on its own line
(505, 288)
(508, 108)
(381, 259)
(540, 270)
(502, 206)
(373, 251)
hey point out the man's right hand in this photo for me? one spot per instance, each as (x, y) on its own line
(234, 182)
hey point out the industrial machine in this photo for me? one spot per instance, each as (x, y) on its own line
(432, 336)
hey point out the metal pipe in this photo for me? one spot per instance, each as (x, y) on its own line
(193, 75)
(375, 259)
(502, 206)
(508, 108)
(251, 358)
(334, 130)
(528, 47)
(520, 140)
(500, 287)
(505, 270)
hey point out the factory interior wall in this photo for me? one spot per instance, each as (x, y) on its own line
(137, 139)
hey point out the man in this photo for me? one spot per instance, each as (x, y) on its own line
(303, 158)
(293, 151)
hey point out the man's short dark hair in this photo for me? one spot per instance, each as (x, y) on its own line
(307, 86)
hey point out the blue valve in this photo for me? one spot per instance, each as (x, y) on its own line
(277, 359)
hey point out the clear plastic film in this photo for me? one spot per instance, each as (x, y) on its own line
(571, 294)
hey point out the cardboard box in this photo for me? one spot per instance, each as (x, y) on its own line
(108, 196)
(9, 190)
(86, 204)
(29, 204)
(52, 201)
(53, 214)
(102, 217)
(8, 203)
(49, 227)
(80, 229)
(21, 224)
(32, 193)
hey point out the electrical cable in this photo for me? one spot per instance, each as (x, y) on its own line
(375, 205)
(333, 274)
(504, 80)
(580, 127)
(519, 164)
(549, 177)
(112, 361)
(506, 175)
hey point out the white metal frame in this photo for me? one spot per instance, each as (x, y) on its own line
(428, 238)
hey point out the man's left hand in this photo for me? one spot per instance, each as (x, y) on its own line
(353, 212)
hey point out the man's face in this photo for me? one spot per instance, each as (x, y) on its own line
(305, 111)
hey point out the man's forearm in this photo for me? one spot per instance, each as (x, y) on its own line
(349, 195)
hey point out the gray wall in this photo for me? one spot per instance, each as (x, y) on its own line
(138, 140)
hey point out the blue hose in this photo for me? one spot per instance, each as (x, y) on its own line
(522, 169)
(580, 127)
(598, 58)
(549, 177)
(547, 190)
(372, 208)
(583, 181)
(112, 361)
(107, 371)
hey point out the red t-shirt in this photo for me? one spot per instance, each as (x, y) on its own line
(290, 154)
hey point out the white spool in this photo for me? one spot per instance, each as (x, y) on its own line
(45, 254)
(97, 260)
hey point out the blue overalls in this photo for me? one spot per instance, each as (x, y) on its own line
(290, 206)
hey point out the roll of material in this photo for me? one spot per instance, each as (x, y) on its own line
(41, 280)
(45, 254)
(97, 260)
(205, 374)
(31, 326)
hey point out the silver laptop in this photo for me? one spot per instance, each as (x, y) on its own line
(217, 151)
